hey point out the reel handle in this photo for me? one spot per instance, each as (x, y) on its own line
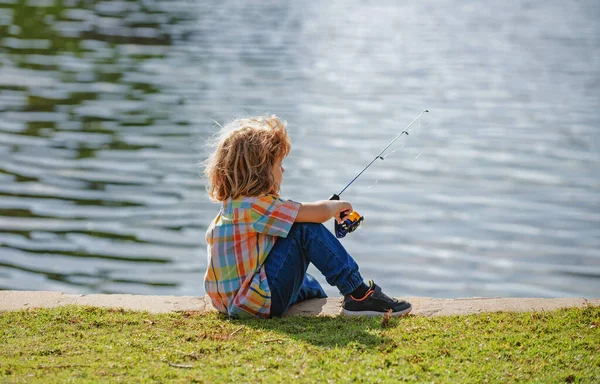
(349, 225)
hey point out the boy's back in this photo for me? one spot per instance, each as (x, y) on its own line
(239, 240)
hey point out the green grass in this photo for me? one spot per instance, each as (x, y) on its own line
(86, 344)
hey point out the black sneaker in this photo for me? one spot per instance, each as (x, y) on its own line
(374, 303)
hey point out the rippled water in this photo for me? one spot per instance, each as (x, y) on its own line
(105, 108)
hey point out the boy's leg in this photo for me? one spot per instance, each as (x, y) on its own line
(288, 261)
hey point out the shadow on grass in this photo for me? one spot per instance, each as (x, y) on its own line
(324, 331)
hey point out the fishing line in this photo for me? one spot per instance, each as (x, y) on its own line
(379, 155)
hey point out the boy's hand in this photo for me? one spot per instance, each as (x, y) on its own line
(343, 210)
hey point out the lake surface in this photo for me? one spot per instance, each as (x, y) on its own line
(106, 106)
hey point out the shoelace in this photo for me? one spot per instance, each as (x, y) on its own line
(387, 298)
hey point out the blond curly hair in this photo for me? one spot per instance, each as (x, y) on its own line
(246, 151)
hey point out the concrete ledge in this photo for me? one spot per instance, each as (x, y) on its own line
(424, 306)
(16, 300)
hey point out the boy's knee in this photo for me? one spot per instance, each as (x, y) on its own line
(310, 230)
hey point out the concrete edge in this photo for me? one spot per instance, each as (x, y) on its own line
(424, 306)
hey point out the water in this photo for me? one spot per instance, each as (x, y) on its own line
(105, 108)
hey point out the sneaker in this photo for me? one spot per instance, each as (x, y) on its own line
(374, 303)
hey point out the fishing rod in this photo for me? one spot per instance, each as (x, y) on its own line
(354, 220)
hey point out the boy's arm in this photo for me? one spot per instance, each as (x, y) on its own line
(323, 210)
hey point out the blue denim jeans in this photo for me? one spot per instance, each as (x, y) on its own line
(288, 261)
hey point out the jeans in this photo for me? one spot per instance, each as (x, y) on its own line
(288, 260)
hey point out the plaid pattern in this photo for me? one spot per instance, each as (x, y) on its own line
(239, 240)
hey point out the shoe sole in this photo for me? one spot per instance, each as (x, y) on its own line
(375, 313)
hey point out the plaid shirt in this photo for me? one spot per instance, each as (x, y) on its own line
(239, 240)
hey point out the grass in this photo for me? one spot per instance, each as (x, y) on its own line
(87, 344)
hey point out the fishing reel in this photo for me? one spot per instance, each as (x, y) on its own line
(349, 225)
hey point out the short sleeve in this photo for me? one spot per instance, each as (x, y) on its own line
(274, 216)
